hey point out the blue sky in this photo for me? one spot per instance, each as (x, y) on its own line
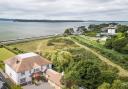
(65, 9)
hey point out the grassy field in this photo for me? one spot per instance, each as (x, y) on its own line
(44, 45)
(116, 57)
(4, 54)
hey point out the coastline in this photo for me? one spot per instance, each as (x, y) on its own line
(7, 42)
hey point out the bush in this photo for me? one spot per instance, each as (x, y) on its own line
(1, 45)
(108, 43)
(118, 44)
(93, 34)
(69, 31)
(124, 50)
(59, 40)
(49, 43)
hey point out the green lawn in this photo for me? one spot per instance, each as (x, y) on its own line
(4, 54)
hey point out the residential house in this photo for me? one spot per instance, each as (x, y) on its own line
(21, 68)
(108, 31)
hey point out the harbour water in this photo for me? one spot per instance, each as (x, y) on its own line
(19, 30)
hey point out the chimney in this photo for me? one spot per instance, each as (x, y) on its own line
(17, 61)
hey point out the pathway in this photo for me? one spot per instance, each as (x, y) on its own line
(122, 72)
(43, 85)
(39, 47)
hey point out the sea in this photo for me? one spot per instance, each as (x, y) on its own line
(19, 30)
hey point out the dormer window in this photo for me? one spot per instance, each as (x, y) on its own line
(17, 61)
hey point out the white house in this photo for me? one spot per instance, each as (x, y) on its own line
(107, 31)
(22, 67)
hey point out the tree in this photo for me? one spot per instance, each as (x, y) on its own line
(109, 76)
(116, 84)
(97, 28)
(94, 28)
(118, 44)
(122, 28)
(108, 43)
(84, 73)
(61, 59)
(104, 86)
(81, 30)
(69, 31)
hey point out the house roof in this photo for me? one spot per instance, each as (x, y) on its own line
(54, 76)
(109, 27)
(27, 61)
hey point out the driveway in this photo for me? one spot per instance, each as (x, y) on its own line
(3, 84)
(43, 85)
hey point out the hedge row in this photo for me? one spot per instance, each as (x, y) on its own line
(14, 50)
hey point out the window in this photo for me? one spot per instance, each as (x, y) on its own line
(47, 66)
(23, 80)
(23, 73)
(36, 70)
(30, 71)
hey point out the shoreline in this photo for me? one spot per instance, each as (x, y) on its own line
(7, 42)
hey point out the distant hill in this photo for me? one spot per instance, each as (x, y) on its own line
(34, 20)
(26, 20)
(2, 19)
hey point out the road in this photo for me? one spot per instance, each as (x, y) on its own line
(122, 72)
(3, 80)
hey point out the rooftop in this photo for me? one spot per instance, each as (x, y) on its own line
(26, 55)
(25, 62)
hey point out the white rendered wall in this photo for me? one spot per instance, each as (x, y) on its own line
(17, 76)
(111, 31)
(11, 73)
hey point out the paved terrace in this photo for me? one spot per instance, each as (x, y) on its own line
(42, 85)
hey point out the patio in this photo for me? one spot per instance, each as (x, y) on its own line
(42, 85)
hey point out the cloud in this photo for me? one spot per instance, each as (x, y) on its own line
(65, 9)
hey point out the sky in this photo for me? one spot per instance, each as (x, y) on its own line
(65, 9)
